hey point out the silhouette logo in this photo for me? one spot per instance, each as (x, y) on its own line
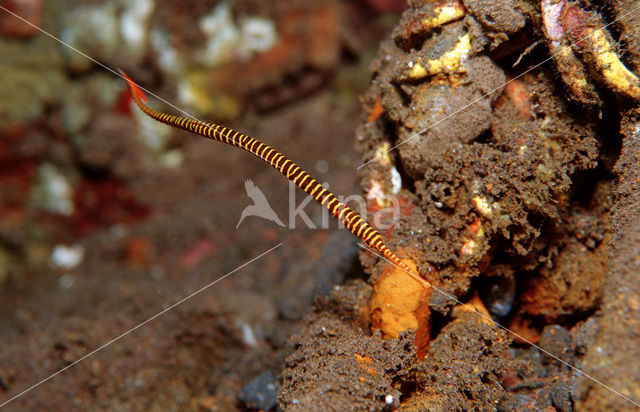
(260, 206)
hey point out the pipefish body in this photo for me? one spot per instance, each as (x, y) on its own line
(352, 220)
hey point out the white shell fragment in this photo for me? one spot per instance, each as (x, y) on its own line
(66, 257)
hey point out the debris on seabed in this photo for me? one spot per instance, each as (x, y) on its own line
(66, 257)
(52, 192)
(261, 392)
(225, 39)
(133, 24)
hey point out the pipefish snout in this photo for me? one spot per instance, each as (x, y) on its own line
(352, 220)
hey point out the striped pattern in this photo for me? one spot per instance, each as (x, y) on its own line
(352, 220)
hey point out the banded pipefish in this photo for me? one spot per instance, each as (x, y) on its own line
(351, 219)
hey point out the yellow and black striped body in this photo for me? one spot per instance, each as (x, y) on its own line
(352, 220)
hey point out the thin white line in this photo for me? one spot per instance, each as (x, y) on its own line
(98, 63)
(494, 90)
(139, 325)
(505, 328)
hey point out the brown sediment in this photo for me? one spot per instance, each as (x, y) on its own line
(517, 182)
(612, 358)
(337, 365)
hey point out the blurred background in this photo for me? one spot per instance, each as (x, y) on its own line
(107, 217)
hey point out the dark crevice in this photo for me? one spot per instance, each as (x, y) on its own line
(585, 184)
(438, 322)
(485, 137)
(406, 384)
(408, 182)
